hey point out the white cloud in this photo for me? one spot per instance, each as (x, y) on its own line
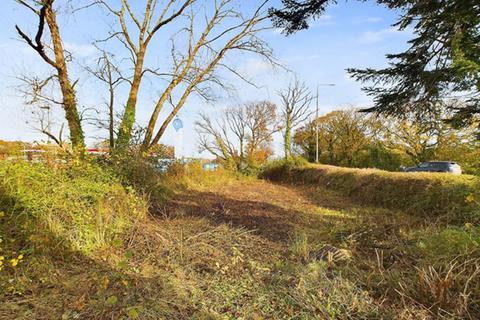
(254, 67)
(80, 50)
(324, 20)
(380, 35)
(312, 57)
(301, 57)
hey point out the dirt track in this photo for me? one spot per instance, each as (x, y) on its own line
(277, 211)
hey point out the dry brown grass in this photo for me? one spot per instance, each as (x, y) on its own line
(226, 247)
(433, 194)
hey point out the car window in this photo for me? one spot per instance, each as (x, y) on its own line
(424, 165)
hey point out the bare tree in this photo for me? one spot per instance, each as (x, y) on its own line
(207, 34)
(296, 100)
(44, 123)
(145, 30)
(204, 56)
(47, 17)
(241, 136)
(214, 138)
(107, 72)
(41, 95)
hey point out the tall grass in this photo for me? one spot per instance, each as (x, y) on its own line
(77, 243)
(84, 207)
(456, 198)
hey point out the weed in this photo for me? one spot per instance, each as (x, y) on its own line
(299, 246)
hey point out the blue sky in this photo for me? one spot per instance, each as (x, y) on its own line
(350, 34)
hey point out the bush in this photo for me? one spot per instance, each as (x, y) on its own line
(83, 207)
(380, 157)
(143, 175)
(456, 197)
(276, 169)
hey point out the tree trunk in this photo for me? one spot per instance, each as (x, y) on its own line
(111, 103)
(287, 143)
(68, 92)
(153, 119)
(128, 119)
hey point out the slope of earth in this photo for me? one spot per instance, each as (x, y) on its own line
(326, 256)
(239, 248)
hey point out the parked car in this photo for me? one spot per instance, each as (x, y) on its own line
(437, 166)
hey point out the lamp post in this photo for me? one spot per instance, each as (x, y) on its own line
(316, 119)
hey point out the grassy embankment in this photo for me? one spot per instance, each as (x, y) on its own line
(422, 251)
(452, 198)
(82, 242)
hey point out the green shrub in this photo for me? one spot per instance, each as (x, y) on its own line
(83, 207)
(144, 176)
(380, 157)
(279, 169)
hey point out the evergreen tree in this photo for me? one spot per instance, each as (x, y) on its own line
(295, 14)
(440, 66)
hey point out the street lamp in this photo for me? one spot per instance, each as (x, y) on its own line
(316, 119)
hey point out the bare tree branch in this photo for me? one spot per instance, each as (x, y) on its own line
(38, 45)
(241, 136)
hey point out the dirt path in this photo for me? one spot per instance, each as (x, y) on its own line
(277, 212)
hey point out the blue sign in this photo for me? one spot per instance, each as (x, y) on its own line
(177, 124)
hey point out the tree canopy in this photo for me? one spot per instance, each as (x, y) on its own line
(441, 64)
(295, 14)
(353, 139)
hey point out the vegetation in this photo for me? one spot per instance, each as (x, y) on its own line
(436, 195)
(242, 138)
(223, 247)
(204, 40)
(120, 235)
(295, 14)
(47, 16)
(296, 101)
(351, 139)
(439, 70)
(446, 37)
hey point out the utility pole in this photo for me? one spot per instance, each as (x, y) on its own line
(316, 120)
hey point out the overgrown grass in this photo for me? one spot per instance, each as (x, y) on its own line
(451, 197)
(423, 260)
(78, 243)
(160, 186)
(84, 207)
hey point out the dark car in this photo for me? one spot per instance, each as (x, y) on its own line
(437, 166)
